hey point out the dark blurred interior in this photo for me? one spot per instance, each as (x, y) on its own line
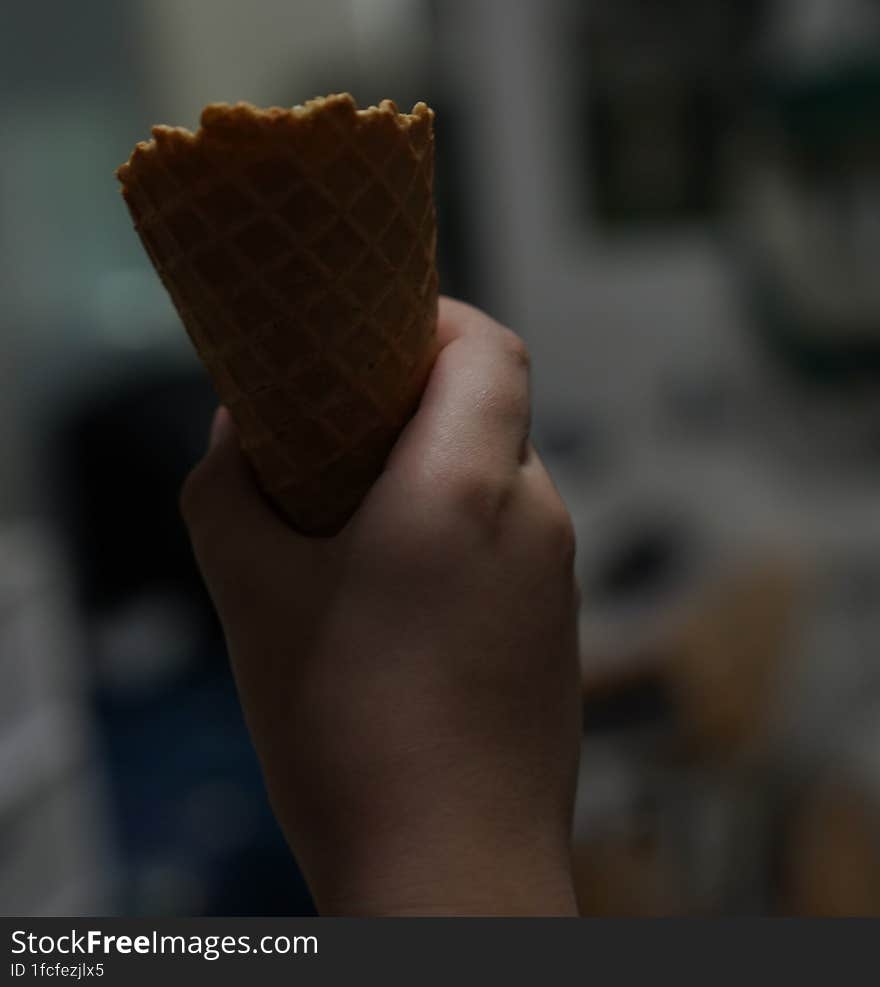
(677, 205)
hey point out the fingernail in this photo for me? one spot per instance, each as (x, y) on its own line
(221, 425)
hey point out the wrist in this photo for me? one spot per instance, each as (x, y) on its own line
(460, 877)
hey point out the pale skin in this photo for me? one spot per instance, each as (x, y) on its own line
(411, 685)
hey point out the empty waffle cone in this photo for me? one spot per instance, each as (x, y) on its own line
(299, 248)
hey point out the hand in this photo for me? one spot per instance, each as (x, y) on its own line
(411, 685)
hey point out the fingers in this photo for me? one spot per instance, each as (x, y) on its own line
(234, 532)
(456, 318)
(470, 434)
(476, 410)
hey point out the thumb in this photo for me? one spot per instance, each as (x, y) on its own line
(235, 534)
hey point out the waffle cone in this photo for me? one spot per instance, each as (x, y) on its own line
(299, 248)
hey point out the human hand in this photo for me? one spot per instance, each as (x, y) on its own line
(412, 685)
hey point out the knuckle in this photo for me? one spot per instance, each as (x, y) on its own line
(559, 533)
(510, 403)
(193, 498)
(516, 349)
(510, 395)
(478, 497)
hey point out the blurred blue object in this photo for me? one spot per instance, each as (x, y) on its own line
(196, 832)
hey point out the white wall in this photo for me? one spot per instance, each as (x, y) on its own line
(226, 50)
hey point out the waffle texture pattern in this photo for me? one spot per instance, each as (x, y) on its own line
(299, 247)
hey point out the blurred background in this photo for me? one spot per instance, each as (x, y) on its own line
(678, 206)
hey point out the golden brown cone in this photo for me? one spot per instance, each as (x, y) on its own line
(299, 247)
